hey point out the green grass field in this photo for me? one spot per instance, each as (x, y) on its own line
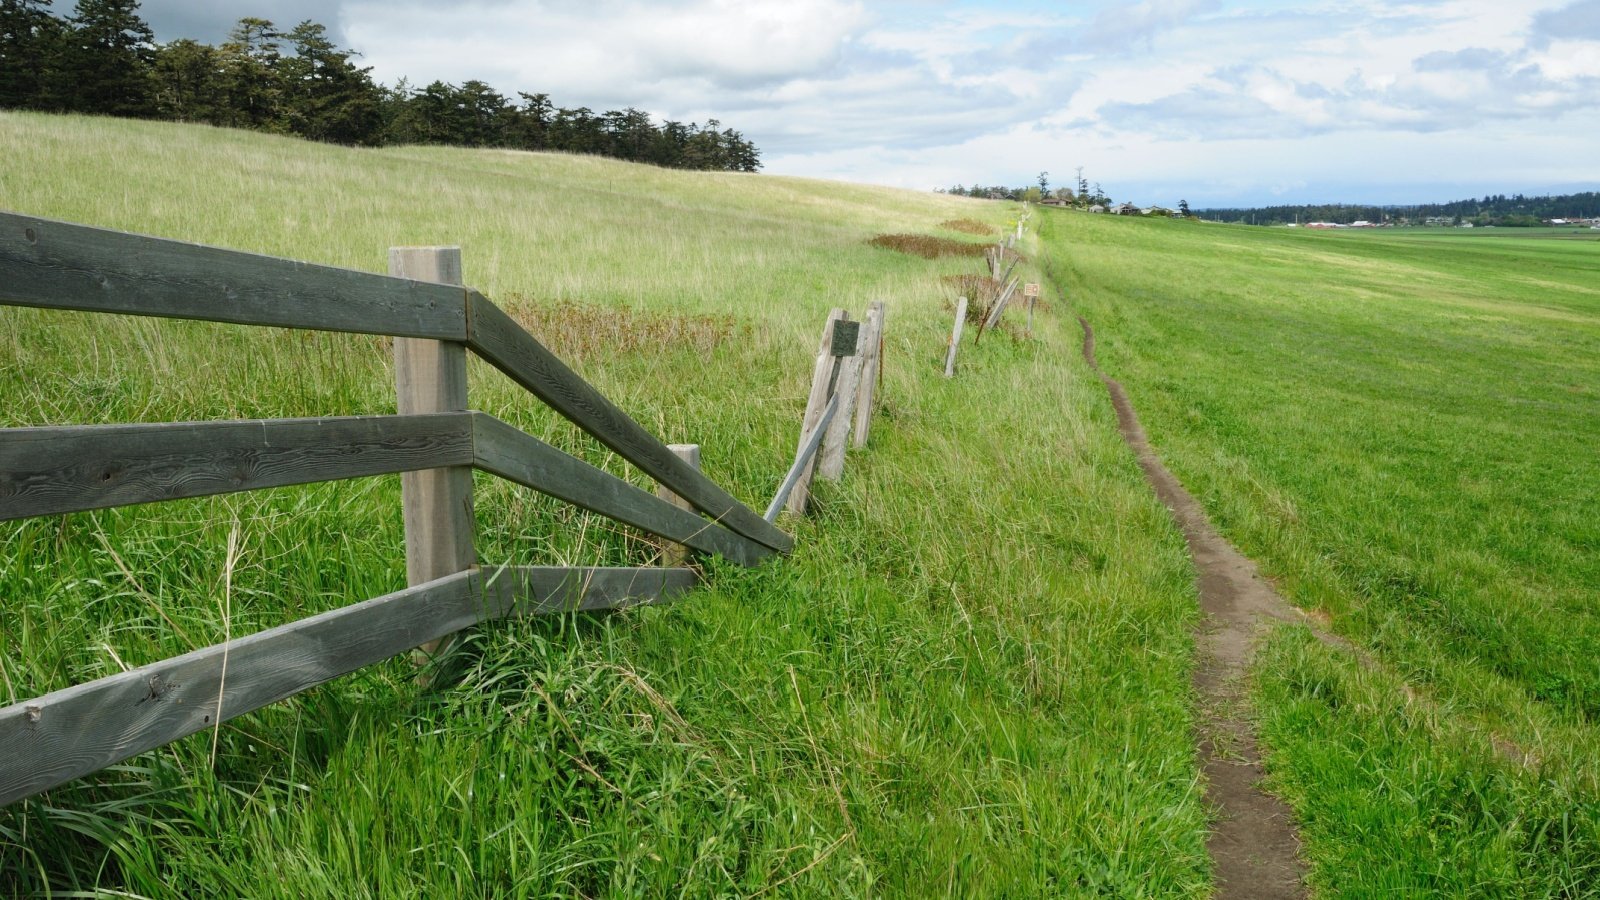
(971, 678)
(1401, 427)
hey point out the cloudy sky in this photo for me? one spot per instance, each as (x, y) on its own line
(1220, 102)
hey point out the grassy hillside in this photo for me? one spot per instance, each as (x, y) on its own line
(1402, 428)
(971, 678)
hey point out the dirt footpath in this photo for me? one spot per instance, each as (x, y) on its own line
(1253, 842)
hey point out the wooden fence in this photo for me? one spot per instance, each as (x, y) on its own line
(996, 258)
(843, 389)
(435, 441)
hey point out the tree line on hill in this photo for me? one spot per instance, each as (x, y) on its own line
(103, 59)
(1500, 210)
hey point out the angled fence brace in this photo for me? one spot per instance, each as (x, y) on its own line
(955, 338)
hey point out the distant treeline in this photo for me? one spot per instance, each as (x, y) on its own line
(1494, 209)
(103, 59)
(1085, 195)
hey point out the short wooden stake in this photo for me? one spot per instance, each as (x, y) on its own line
(871, 372)
(431, 377)
(955, 339)
(674, 554)
(822, 376)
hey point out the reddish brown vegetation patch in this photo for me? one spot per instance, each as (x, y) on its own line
(576, 330)
(967, 226)
(927, 246)
(980, 291)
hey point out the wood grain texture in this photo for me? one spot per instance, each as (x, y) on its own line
(431, 377)
(955, 339)
(504, 344)
(822, 376)
(58, 265)
(871, 373)
(836, 438)
(513, 455)
(544, 590)
(73, 732)
(51, 470)
(802, 459)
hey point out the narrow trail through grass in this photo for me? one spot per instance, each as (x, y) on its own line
(1400, 429)
(1253, 845)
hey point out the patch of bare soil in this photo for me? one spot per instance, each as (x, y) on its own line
(968, 226)
(1253, 844)
(927, 246)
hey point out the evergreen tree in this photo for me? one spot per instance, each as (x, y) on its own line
(327, 98)
(30, 39)
(249, 76)
(105, 61)
(188, 83)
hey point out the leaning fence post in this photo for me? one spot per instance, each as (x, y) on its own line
(674, 554)
(871, 371)
(822, 375)
(995, 311)
(955, 338)
(431, 377)
(847, 347)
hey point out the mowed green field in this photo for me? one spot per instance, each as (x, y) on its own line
(1404, 429)
(970, 679)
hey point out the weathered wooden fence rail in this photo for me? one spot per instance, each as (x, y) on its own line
(436, 440)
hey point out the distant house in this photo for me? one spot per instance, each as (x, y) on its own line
(1125, 209)
(1158, 211)
(1097, 208)
(1053, 201)
(996, 195)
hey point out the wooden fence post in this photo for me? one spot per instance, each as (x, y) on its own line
(830, 465)
(822, 375)
(431, 377)
(674, 554)
(955, 339)
(871, 371)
